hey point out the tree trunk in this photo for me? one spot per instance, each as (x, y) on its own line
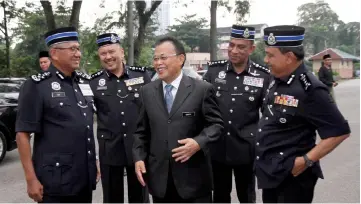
(75, 12)
(49, 15)
(213, 31)
(130, 17)
(7, 52)
(143, 21)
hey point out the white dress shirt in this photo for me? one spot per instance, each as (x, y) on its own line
(175, 85)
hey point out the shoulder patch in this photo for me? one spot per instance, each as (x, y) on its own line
(40, 77)
(82, 75)
(262, 68)
(137, 69)
(305, 81)
(96, 74)
(217, 63)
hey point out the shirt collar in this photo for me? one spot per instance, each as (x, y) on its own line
(110, 74)
(174, 83)
(60, 74)
(289, 79)
(247, 68)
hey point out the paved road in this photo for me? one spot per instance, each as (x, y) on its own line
(341, 168)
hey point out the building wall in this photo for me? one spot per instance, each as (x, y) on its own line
(343, 67)
(197, 60)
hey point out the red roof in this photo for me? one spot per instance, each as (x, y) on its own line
(335, 54)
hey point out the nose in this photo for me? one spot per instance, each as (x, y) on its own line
(265, 60)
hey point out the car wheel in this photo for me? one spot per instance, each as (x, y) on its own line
(3, 146)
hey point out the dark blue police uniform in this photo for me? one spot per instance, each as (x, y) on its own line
(118, 102)
(294, 108)
(59, 110)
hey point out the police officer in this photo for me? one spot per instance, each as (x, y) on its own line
(58, 106)
(297, 105)
(240, 85)
(116, 90)
(44, 60)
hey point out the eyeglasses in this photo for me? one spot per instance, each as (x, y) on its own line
(163, 57)
(73, 50)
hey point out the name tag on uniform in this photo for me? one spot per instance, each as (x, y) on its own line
(134, 81)
(57, 94)
(253, 81)
(188, 114)
(222, 81)
(86, 90)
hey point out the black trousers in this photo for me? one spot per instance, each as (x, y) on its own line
(84, 196)
(298, 189)
(172, 196)
(113, 185)
(244, 179)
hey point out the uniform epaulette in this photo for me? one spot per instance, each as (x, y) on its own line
(82, 75)
(96, 74)
(305, 81)
(40, 77)
(262, 68)
(137, 69)
(217, 63)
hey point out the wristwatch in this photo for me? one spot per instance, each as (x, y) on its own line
(308, 161)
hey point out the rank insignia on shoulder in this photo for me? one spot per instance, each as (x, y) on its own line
(96, 74)
(82, 75)
(217, 63)
(262, 68)
(305, 81)
(137, 69)
(41, 76)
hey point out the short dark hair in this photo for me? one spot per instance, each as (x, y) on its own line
(179, 48)
(297, 51)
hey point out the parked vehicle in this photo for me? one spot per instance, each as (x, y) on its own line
(9, 93)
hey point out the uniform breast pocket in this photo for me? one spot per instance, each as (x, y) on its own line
(57, 175)
(285, 114)
(61, 109)
(221, 92)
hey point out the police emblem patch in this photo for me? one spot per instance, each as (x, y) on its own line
(271, 40)
(101, 82)
(246, 33)
(222, 74)
(136, 95)
(55, 86)
(113, 39)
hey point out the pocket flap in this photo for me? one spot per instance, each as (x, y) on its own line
(58, 160)
(104, 135)
(59, 103)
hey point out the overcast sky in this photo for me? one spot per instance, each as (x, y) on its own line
(271, 12)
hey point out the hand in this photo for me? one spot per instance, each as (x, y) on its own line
(98, 171)
(139, 171)
(335, 84)
(299, 166)
(35, 190)
(183, 153)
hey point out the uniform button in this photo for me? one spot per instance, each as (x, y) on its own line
(61, 103)
(89, 152)
(84, 114)
(75, 90)
(270, 106)
(121, 101)
(284, 110)
(260, 130)
(267, 90)
(169, 121)
(257, 157)
(102, 136)
(102, 94)
(122, 113)
(57, 164)
(118, 81)
(266, 118)
(228, 133)
(123, 124)
(252, 134)
(275, 93)
(231, 111)
(281, 153)
(230, 122)
(219, 87)
(233, 99)
(119, 91)
(125, 135)
(237, 77)
(80, 102)
(257, 144)
(89, 139)
(264, 99)
(235, 88)
(88, 126)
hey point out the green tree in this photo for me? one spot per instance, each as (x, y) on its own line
(190, 30)
(259, 53)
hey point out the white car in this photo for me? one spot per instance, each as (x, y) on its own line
(189, 71)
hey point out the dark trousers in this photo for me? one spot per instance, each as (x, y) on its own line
(244, 179)
(84, 196)
(172, 196)
(298, 189)
(113, 185)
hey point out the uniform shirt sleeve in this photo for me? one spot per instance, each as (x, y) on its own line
(321, 111)
(146, 78)
(30, 109)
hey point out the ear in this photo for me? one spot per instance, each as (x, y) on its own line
(253, 47)
(52, 52)
(182, 59)
(290, 57)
